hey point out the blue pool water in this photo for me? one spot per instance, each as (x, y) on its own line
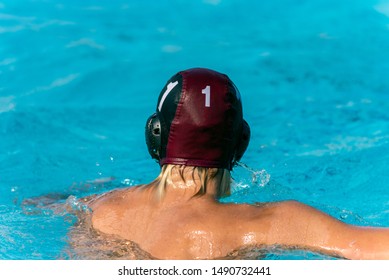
(78, 79)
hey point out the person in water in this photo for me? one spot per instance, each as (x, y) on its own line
(197, 135)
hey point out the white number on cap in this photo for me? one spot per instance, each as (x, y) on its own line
(207, 92)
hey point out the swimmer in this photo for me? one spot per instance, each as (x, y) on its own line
(197, 135)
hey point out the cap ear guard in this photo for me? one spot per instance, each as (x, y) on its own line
(153, 136)
(243, 143)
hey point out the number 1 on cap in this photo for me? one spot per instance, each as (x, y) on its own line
(207, 92)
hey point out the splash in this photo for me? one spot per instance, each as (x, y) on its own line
(258, 177)
(276, 252)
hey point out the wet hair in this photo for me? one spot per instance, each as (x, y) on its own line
(204, 175)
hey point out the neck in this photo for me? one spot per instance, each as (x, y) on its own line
(180, 183)
(189, 186)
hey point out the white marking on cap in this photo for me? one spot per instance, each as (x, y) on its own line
(169, 88)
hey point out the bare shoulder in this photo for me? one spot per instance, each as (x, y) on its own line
(292, 216)
(273, 210)
(298, 225)
(295, 213)
(111, 198)
(288, 223)
(290, 209)
(108, 209)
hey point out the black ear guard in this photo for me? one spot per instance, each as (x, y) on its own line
(153, 133)
(153, 136)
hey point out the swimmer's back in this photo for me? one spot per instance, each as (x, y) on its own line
(202, 228)
(196, 229)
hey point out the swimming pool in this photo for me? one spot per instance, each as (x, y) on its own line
(78, 80)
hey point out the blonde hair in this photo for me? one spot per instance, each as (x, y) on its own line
(203, 174)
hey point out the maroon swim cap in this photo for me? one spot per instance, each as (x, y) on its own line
(198, 121)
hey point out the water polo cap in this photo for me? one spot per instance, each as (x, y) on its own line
(198, 121)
